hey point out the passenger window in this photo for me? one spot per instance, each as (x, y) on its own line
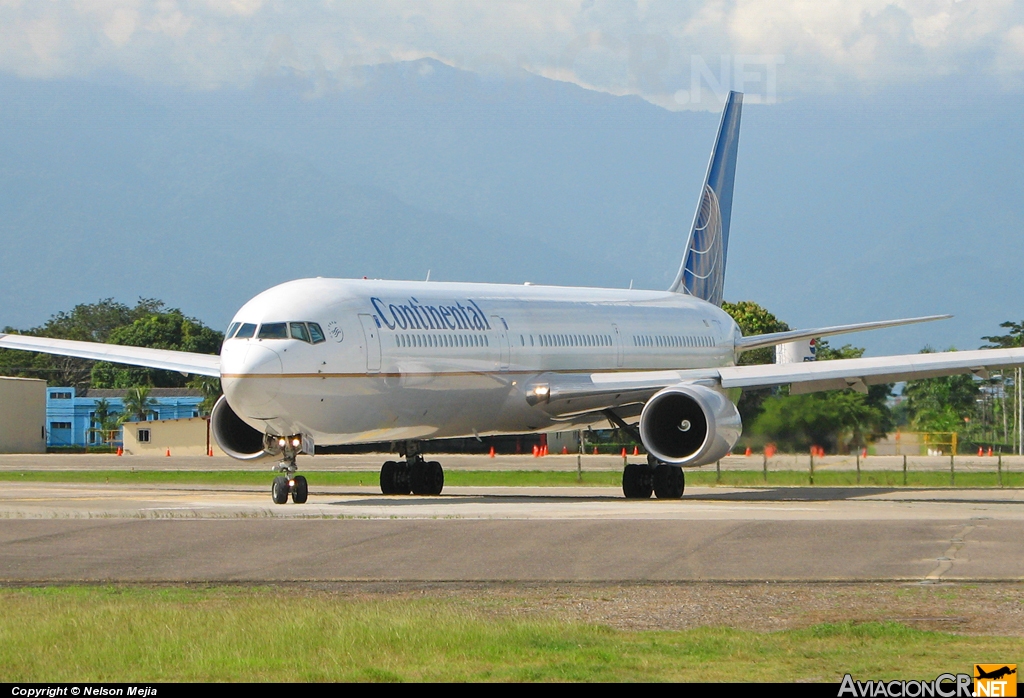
(299, 331)
(246, 331)
(273, 330)
(315, 333)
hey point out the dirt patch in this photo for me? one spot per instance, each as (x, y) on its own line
(973, 609)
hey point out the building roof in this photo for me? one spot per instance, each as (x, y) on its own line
(153, 392)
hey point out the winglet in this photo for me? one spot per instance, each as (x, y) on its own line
(702, 271)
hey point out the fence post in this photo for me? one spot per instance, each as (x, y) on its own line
(952, 471)
(858, 467)
(1000, 466)
(764, 465)
(812, 468)
(904, 470)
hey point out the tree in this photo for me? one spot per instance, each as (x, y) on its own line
(138, 405)
(1014, 338)
(1008, 387)
(211, 390)
(99, 322)
(169, 329)
(837, 420)
(944, 404)
(754, 319)
(106, 420)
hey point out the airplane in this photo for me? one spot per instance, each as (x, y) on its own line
(355, 361)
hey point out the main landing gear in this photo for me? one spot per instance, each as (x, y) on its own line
(639, 480)
(288, 483)
(414, 474)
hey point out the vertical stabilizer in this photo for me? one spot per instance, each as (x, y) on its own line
(702, 272)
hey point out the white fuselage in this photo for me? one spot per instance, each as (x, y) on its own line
(424, 360)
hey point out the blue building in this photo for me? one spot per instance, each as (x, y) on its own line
(70, 417)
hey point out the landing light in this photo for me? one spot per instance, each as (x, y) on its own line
(296, 442)
(282, 442)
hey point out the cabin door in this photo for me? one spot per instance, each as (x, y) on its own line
(371, 334)
(504, 350)
(618, 345)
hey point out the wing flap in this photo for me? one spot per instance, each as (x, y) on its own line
(180, 361)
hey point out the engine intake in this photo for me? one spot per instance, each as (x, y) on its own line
(235, 437)
(689, 425)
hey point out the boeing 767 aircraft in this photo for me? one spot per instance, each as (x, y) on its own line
(350, 361)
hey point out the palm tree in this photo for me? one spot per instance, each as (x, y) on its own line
(211, 390)
(138, 405)
(107, 421)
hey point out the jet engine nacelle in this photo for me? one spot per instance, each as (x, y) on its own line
(689, 425)
(235, 437)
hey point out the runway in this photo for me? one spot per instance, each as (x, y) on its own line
(107, 533)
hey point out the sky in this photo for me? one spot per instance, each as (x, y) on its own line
(657, 50)
(879, 166)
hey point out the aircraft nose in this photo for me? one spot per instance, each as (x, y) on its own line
(255, 378)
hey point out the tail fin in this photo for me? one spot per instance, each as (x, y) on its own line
(702, 272)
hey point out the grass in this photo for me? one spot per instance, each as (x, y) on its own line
(239, 634)
(522, 478)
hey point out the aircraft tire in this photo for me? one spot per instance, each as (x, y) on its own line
(279, 490)
(669, 482)
(433, 478)
(300, 493)
(426, 477)
(637, 481)
(394, 478)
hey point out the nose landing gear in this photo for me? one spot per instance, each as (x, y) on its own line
(288, 483)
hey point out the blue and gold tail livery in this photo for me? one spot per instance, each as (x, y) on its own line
(702, 272)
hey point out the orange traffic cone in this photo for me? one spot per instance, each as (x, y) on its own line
(492, 452)
(748, 451)
(981, 451)
(636, 451)
(210, 452)
(536, 451)
(623, 451)
(168, 452)
(990, 450)
(863, 453)
(595, 450)
(120, 451)
(565, 450)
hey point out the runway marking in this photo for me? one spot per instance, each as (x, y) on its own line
(949, 557)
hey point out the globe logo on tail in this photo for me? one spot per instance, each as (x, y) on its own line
(703, 275)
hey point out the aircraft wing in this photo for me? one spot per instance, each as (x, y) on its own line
(572, 394)
(181, 361)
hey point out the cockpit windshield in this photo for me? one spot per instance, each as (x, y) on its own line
(299, 331)
(316, 335)
(308, 332)
(273, 330)
(246, 331)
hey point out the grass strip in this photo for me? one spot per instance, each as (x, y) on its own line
(521, 478)
(143, 634)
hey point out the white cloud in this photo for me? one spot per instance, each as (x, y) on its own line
(649, 47)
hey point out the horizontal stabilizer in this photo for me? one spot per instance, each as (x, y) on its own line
(769, 340)
(166, 359)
